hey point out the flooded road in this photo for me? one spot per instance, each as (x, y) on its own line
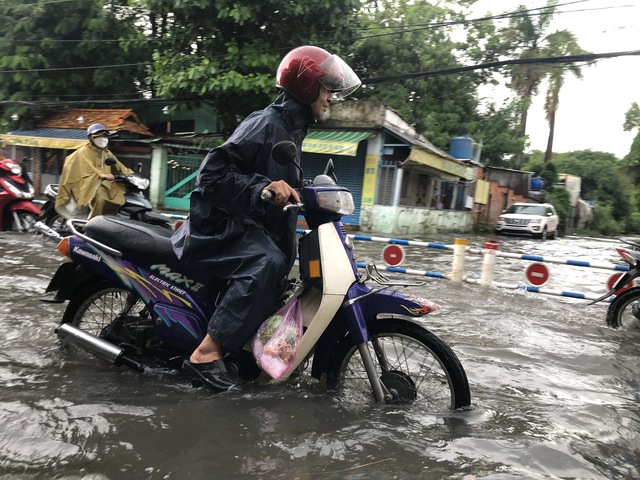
(555, 392)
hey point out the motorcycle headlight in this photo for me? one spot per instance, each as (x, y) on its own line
(15, 168)
(138, 182)
(339, 201)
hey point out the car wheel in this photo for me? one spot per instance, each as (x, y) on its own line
(552, 235)
(541, 235)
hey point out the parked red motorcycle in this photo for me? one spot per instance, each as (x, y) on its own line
(16, 192)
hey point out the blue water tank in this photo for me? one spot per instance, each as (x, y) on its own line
(537, 183)
(461, 147)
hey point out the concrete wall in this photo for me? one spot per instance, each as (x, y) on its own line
(413, 221)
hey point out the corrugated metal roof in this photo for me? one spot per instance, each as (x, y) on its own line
(115, 119)
(66, 133)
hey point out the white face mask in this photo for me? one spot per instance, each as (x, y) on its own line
(101, 142)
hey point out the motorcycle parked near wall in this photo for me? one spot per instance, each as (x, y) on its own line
(624, 309)
(17, 212)
(131, 302)
(136, 205)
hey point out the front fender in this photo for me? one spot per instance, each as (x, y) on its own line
(390, 301)
(24, 205)
(368, 304)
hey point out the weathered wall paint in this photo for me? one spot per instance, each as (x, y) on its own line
(402, 221)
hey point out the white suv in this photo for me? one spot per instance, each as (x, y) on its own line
(539, 220)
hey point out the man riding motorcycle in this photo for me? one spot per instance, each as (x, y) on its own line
(86, 184)
(247, 242)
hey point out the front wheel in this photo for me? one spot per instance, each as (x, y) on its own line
(55, 221)
(414, 365)
(625, 309)
(27, 221)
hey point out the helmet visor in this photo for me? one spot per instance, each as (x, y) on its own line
(338, 77)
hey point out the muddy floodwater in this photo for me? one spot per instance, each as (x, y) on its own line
(555, 391)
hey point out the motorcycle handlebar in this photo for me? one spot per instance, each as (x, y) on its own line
(266, 195)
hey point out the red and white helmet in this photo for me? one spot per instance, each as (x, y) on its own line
(304, 69)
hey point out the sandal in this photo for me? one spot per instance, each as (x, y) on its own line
(216, 375)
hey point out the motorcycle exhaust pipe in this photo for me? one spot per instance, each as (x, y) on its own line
(99, 347)
(47, 231)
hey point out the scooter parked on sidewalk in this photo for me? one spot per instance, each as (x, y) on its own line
(624, 309)
(136, 205)
(17, 212)
(131, 302)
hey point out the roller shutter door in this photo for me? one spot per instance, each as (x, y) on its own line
(349, 170)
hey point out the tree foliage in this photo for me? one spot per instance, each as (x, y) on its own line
(560, 43)
(403, 37)
(604, 177)
(227, 51)
(58, 51)
(527, 37)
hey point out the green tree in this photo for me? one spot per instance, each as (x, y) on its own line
(60, 51)
(499, 134)
(560, 43)
(524, 37)
(407, 37)
(227, 51)
(604, 178)
(632, 159)
(527, 38)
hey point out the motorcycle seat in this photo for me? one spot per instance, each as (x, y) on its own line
(132, 237)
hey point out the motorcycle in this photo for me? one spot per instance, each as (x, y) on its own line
(624, 309)
(131, 302)
(136, 205)
(17, 212)
(49, 216)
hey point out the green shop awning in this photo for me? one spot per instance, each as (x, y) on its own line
(333, 142)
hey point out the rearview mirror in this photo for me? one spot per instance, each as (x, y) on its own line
(284, 152)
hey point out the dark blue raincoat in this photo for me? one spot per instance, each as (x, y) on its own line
(236, 235)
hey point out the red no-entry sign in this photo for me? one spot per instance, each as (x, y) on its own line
(393, 255)
(537, 274)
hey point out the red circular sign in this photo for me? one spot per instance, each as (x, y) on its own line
(537, 274)
(613, 279)
(393, 255)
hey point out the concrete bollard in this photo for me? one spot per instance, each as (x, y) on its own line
(457, 268)
(488, 263)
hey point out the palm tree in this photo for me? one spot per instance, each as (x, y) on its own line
(560, 43)
(526, 38)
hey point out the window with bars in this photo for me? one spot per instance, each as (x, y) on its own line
(385, 186)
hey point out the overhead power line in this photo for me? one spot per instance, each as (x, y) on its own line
(584, 58)
(588, 57)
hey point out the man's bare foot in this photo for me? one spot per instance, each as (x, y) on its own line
(209, 350)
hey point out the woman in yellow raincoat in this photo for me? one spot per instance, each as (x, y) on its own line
(86, 184)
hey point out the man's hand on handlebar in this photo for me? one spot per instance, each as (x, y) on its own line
(283, 194)
(107, 176)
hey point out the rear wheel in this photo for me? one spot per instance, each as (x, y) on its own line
(624, 311)
(413, 364)
(97, 307)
